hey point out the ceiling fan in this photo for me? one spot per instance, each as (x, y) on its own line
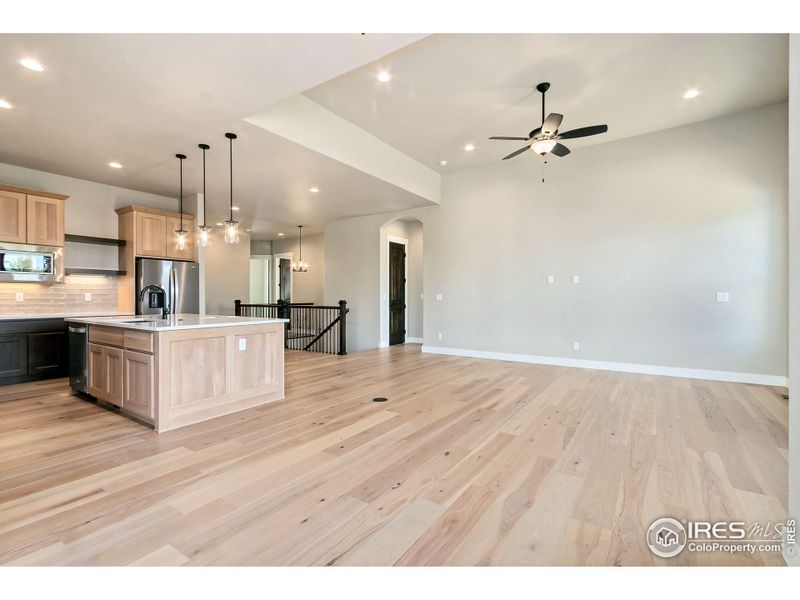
(545, 138)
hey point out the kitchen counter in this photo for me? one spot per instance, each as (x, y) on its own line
(173, 322)
(179, 371)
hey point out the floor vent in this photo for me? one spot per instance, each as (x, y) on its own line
(379, 399)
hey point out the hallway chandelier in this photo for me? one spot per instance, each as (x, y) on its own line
(300, 266)
(231, 225)
(181, 231)
(204, 228)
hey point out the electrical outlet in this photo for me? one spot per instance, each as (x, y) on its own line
(242, 344)
(439, 336)
(87, 296)
(439, 297)
(19, 296)
(551, 279)
(576, 345)
(576, 279)
(723, 297)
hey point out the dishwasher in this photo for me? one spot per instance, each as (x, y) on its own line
(78, 357)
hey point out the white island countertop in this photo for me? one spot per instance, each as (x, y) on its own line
(64, 316)
(173, 322)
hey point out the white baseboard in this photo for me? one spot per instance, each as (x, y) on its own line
(756, 378)
(383, 344)
(412, 340)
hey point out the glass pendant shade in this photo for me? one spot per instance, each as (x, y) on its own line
(205, 238)
(181, 239)
(543, 146)
(300, 266)
(231, 232)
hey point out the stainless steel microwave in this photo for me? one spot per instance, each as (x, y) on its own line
(23, 262)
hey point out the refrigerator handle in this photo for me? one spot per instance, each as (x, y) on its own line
(173, 282)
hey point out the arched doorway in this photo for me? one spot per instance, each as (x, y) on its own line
(401, 281)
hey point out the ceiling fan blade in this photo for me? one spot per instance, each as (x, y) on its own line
(502, 137)
(583, 132)
(560, 150)
(552, 123)
(513, 154)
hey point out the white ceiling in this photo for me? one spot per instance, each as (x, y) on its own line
(452, 89)
(139, 99)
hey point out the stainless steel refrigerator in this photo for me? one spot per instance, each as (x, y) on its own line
(180, 280)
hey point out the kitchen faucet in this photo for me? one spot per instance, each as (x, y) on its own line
(158, 289)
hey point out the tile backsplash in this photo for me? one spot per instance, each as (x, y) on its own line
(59, 298)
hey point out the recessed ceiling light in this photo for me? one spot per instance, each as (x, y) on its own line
(32, 64)
(692, 93)
(114, 165)
(247, 230)
(219, 224)
(443, 163)
(5, 104)
(384, 76)
(469, 147)
(234, 208)
(313, 190)
(280, 234)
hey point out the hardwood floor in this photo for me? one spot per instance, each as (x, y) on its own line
(469, 462)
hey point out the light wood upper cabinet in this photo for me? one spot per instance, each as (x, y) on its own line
(31, 216)
(13, 211)
(151, 235)
(138, 384)
(45, 221)
(190, 251)
(150, 232)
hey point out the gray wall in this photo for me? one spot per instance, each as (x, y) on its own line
(794, 280)
(227, 273)
(654, 226)
(308, 286)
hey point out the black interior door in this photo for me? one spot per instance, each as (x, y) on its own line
(284, 280)
(397, 293)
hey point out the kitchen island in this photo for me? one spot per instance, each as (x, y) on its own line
(183, 369)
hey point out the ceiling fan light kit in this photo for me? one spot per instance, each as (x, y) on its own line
(544, 139)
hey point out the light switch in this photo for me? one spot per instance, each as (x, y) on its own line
(551, 279)
(576, 279)
(576, 345)
(242, 344)
(439, 297)
(439, 336)
(19, 296)
(723, 297)
(87, 296)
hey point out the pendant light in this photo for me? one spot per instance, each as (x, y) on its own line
(300, 266)
(181, 231)
(231, 225)
(204, 229)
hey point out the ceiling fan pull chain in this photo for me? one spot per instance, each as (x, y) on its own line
(544, 164)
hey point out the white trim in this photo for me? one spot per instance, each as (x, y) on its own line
(403, 242)
(756, 378)
(383, 344)
(412, 340)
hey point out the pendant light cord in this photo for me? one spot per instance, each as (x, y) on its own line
(204, 187)
(230, 139)
(301, 242)
(180, 200)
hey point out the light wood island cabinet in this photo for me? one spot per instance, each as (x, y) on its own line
(30, 216)
(187, 369)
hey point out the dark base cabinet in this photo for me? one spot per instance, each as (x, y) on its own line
(32, 349)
